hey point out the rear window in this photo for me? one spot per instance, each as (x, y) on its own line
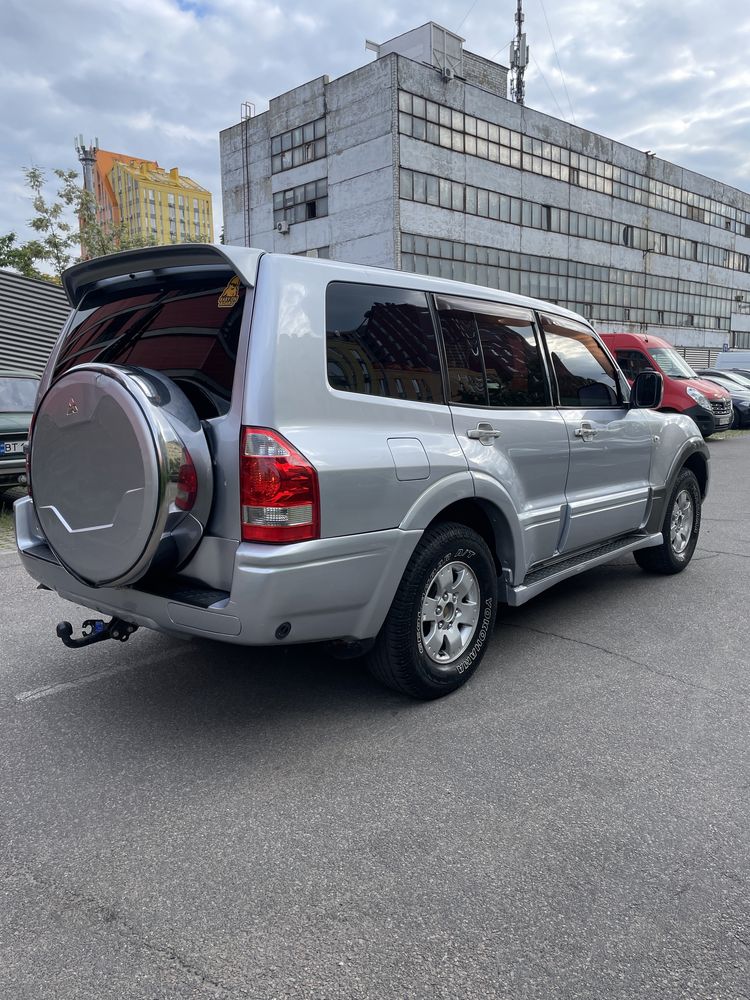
(186, 326)
(17, 395)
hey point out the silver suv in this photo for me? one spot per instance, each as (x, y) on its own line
(266, 449)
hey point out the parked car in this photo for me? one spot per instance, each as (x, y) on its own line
(709, 405)
(738, 387)
(17, 394)
(270, 449)
(738, 377)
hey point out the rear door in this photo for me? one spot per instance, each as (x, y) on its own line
(514, 439)
(608, 486)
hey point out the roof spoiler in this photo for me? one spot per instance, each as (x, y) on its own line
(80, 278)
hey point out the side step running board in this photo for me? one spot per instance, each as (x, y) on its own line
(542, 579)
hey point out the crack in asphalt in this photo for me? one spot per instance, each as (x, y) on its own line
(624, 656)
(118, 922)
(722, 552)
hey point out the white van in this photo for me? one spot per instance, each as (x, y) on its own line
(729, 360)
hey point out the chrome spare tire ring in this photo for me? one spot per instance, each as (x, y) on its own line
(681, 523)
(450, 612)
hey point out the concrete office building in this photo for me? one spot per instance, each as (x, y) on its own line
(419, 161)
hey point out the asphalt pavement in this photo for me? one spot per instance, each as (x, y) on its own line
(184, 819)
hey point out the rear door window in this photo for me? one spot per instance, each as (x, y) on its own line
(492, 353)
(186, 326)
(380, 341)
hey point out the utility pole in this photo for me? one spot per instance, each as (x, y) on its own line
(519, 57)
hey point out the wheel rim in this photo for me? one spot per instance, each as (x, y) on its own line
(681, 526)
(450, 613)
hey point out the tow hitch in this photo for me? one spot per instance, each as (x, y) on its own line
(96, 630)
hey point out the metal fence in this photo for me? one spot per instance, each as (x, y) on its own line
(32, 313)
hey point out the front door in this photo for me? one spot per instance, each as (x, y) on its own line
(608, 485)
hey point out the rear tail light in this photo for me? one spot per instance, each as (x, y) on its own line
(187, 483)
(278, 489)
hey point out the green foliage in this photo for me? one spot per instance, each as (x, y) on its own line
(21, 256)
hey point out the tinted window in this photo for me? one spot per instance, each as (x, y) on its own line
(380, 341)
(493, 355)
(585, 375)
(633, 362)
(466, 378)
(185, 326)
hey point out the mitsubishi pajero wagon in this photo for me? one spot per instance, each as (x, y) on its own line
(267, 449)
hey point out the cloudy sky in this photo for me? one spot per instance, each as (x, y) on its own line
(159, 78)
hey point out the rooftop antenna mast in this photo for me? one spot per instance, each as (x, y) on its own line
(519, 57)
(87, 156)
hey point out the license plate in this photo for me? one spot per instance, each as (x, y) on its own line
(721, 421)
(11, 447)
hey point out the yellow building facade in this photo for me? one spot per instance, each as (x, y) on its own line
(156, 205)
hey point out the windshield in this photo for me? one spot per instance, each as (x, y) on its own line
(734, 377)
(17, 395)
(728, 383)
(671, 363)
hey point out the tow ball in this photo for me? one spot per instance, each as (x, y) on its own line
(96, 630)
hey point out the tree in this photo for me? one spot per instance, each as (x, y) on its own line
(21, 256)
(57, 236)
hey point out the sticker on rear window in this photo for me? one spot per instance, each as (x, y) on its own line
(231, 294)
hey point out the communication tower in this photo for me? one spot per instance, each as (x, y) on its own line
(519, 57)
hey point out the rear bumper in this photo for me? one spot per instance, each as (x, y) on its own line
(331, 588)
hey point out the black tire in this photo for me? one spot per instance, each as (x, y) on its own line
(669, 557)
(400, 658)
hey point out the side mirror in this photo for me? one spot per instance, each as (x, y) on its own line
(647, 391)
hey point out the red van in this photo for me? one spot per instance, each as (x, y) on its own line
(708, 404)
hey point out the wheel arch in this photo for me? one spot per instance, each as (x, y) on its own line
(489, 522)
(699, 467)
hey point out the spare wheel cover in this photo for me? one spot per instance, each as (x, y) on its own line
(108, 443)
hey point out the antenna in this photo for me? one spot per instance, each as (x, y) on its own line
(519, 57)
(87, 156)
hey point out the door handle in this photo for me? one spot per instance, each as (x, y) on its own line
(483, 433)
(586, 432)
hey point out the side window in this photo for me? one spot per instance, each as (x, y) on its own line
(585, 375)
(632, 363)
(380, 341)
(493, 355)
(466, 380)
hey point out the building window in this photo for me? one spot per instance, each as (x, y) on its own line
(601, 292)
(429, 121)
(298, 145)
(302, 203)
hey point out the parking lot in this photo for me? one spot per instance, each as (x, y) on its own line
(190, 820)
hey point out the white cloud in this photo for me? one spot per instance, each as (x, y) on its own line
(161, 78)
